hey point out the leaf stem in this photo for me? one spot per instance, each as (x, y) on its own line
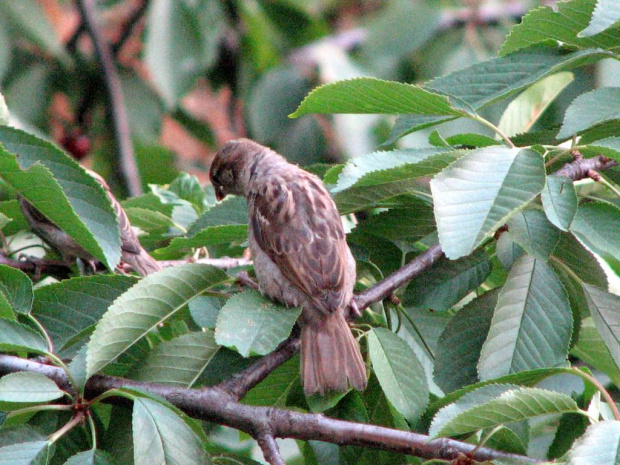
(39, 408)
(602, 390)
(417, 331)
(93, 430)
(58, 362)
(609, 185)
(50, 344)
(76, 420)
(495, 129)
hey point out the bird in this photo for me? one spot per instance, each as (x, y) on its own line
(301, 257)
(132, 253)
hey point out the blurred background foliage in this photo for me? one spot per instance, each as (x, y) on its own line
(196, 73)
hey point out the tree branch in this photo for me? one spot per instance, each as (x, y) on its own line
(115, 100)
(386, 287)
(270, 449)
(239, 385)
(216, 405)
(129, 26)
(579, 168)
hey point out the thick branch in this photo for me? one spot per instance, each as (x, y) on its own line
(215, 405)
(116, 104)
(578, 168)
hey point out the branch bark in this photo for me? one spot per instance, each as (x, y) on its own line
(116, 104)
(270, 449)
(215, 405)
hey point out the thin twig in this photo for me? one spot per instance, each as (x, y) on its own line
(116, 104)
(239, 385)
(129, 27)
(270, 448)
(386, 287)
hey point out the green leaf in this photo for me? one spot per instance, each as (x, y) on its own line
(459, 345)
(254, 325)
(150, 221)
(187, 187)
(610, 147)
(507, 251)
(470, 400)
(591, 349)
(507, 440)
(523, 378)
(90, 457)
(532, 324)
(526, 109)
(180, 43)
(606, 14)
(559, 201)
(71, 199)
(139, 310)
(223, 223)
(600, 445)
(4, 111)
(590, 109)
(25, 453)
(29, 19)
(509, 75)
(532, 230)
(447, 282)
(604, 310)
(543, 25)
(379, 178)
(16, 337)
(71, 306)
(204, 310)
(598, 226)
(161, 436)
(144, 111)
(29, 388)
(179, 361)
(16, 290)
(478, 193)
(407, 224)
(371, 95)
(511, 406)
(399, 372)
(274, 390)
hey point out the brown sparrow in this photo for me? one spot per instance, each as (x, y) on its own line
(132, 252)
(301, 257)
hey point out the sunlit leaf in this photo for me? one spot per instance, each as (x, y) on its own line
(399, 372)
(139, 310)
(532, 324)
(251, 324)
(479, 192)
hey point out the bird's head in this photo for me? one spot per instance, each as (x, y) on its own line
(231, 168)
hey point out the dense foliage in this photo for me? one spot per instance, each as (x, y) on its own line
(509, 340)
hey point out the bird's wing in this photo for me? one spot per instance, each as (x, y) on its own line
(296, 223)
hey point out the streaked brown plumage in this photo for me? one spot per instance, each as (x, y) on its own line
(301, 257)
(132, 252)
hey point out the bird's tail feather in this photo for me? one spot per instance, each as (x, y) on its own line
(142, 262)
(331, 357)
